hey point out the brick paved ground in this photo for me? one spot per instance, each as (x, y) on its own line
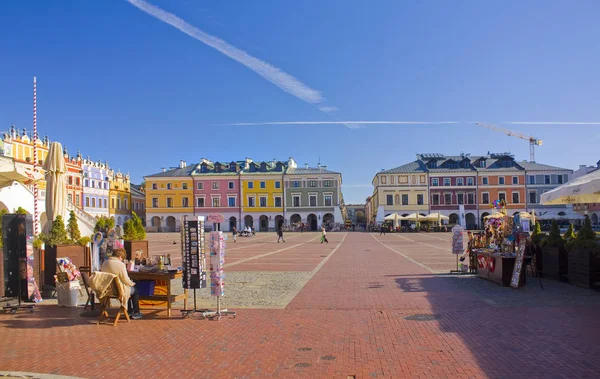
(371, 309)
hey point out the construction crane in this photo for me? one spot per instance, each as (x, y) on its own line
(533, 142)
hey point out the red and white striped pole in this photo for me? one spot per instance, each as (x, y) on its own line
(36, 220)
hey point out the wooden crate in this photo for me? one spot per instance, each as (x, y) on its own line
(554, 262)
(584, 267)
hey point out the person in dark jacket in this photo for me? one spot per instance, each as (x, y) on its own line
(280, 234)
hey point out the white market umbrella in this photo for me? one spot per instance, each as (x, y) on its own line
(11, 172)
(436, 217)
(56, 192)
(583, 190)
(394, 217)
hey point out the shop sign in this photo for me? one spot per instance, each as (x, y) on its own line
(215, 218)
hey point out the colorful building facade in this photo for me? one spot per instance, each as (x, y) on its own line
(74, 179)
(138, 202)
(95, 187)
(119, 205)
(312, 196)
(169, 196)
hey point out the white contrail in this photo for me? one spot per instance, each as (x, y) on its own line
(357, 123)
(271, 73)
(553, 122)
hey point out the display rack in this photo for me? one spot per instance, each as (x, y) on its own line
(193, 253)
(217, 276)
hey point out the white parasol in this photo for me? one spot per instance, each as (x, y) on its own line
(394, 217)
(11, 172)
(56, 192)
(583, 190)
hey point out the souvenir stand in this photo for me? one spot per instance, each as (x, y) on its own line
(193, 258)
(217, 276)
(499, 251)
(457, 246)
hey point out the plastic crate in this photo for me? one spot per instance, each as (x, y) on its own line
(145, 287)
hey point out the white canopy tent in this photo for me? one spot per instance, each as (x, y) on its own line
(11, 171)
(394, 217)
(583, 190)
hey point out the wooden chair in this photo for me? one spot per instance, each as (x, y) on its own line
(105, 303)
(85, 278)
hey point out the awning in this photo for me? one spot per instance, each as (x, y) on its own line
(583, 190)
(11, 172)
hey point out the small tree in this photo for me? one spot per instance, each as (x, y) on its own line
(2, 213)
(537, 229)
(21, 211)
(586, 233)
(586, 238)
(73, 227)
(554, 238)
(537, 235)
(58, 234)
(360, 217)
(104, 223)
(139, 226)
(570, 235)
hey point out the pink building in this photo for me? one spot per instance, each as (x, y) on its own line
(217, 194)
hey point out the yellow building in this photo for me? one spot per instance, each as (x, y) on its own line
(262, 194)
(169, 196)
(119, 205)
(20, 148)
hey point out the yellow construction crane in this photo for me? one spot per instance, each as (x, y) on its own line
(532, 140)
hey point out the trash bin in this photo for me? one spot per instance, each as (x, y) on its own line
(67, 293)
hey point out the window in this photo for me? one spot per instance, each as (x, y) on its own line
(278, 184)
(263, 185)
(231, 201)
(107, 207)
(515, 198)
(169, 202)
(485, 181)
(200, 185)
(546, 179)
(77, 182)
(77, 200)
(531, 179)
(126, 205)
(87, 201)
(250, 185)
(460, 198)
(515, 180)
(215, 185)
(470, 198)
(231, 185)
(312, 200)
(93, 183)
(328, 201)
(327, 183)
(119, 203)
(469, 181)
(278, 201)
(485, 198)
(296, 183)
(501, 180)
(200, 202)
(216, 202)
(251, 202)
(446, 182)
(70, 180)
(390, 200)
(459, 181)
(435, 199)
(312, 183)
(135, 206)
(154, 202)
(383, 180)
(435, 182)
(404, 199)
(296, 201)
(447, 198)
(184, 186)
(94, 202)
(420, 199)
(533, 197)
(560, 179)
(502, 196)
(169, 186)
(87, 183)
(262, 201)
(185, 202)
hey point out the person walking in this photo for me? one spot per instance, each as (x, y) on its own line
(323, 235)
(234, 232)
(382, 230)
(280, 234)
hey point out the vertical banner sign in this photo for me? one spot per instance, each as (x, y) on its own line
(457, 240)
(516, 276)
(193, 258)
(217, 261)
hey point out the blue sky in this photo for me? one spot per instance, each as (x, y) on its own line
(123, 86)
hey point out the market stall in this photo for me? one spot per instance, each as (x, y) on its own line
(499, 250)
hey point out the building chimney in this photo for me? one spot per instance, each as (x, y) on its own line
(164, 169)
(319, 165)
(182, 164)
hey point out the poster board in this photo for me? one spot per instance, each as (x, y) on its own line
(516, 275)
(193, 252)
(457, 240)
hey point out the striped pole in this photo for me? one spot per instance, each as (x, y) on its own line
(36, 220)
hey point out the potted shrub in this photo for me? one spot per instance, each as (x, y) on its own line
(584, 257)
(570, 234)
(554, 255)
(134, 235)
(63, 242)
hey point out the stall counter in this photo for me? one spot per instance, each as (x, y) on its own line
(498, 269)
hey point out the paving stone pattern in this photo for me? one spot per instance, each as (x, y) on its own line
(374, 309)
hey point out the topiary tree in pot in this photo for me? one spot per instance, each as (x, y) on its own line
(537, 236)
(584, 257)
(554, 256)
(134, 235)
(570, 234)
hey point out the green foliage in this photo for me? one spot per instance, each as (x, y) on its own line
(104, 223)
(2, 213)
(83, 241)
(554, 238)
(21, 211)
(570, 234)
(586, 233)
(360, 217)
(73, 227)
(58, 233)
(39, 240)
(537, 229)
(133, 229)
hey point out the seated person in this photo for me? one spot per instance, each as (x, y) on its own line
(115, 265)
